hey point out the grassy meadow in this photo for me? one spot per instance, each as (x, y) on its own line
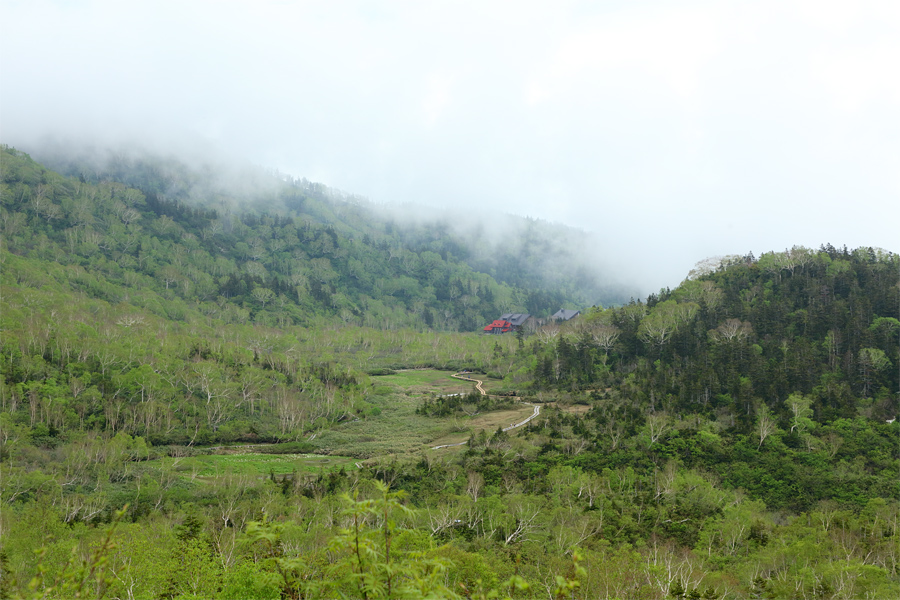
(394, 428)
(250, 463)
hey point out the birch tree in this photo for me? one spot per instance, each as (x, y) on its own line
(765, 423)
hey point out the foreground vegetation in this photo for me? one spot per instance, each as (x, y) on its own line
(731, 438)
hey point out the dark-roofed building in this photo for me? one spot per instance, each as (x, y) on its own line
(516, 319)
(564, 314)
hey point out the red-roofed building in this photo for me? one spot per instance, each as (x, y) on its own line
(499, 326)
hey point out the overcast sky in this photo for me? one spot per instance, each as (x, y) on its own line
(673, 130)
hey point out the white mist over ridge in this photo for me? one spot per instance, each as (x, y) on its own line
(531, 254)
(669, 133)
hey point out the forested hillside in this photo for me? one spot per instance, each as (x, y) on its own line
(245, 265)
(818, 323)
(731, 438)
(790, 357)
(540, 260)
(111, 297)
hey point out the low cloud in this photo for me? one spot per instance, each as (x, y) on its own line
(667, 133)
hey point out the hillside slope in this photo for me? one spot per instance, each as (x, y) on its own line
(262, 267)
(550, 264)
(726, 439)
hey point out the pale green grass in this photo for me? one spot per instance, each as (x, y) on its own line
(488, 421)
(258, 464)
(398, 430)
(425, 381)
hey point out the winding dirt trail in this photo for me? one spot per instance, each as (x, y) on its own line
(478, 385)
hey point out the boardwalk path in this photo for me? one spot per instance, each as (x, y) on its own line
(478, 386)
(477, 382)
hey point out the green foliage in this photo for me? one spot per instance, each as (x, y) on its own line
(254, 386)
(316, 255)
(249, 582)
(462, 404)
(288, 448)
(369, 561)
(750, 330)
(195, 574)
(78, 577)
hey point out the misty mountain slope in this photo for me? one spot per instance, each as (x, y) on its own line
(555, 264)
(535, 254)
(267, 268)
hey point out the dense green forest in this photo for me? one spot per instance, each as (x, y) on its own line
(413, 246)
(201, 399)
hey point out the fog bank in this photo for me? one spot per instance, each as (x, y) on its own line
(666, 133)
